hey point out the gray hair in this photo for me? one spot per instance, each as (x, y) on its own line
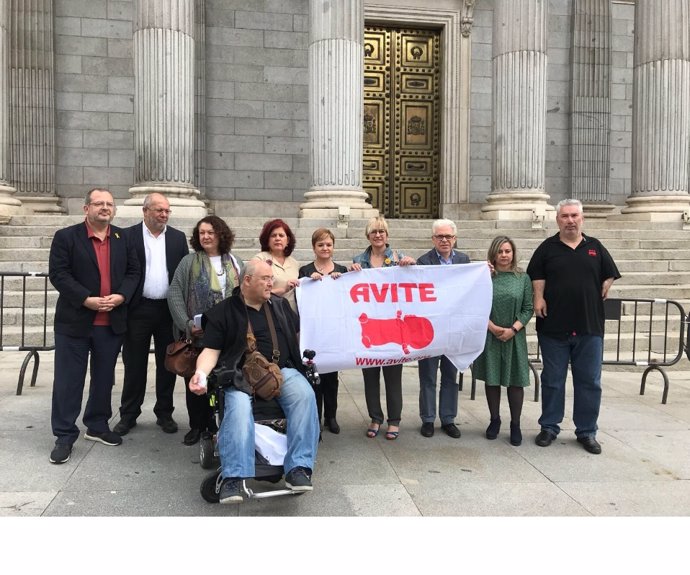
(249, 268)
(569, 202)
(442, 223)
(150, 198)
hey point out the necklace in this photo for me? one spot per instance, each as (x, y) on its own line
(322, 270)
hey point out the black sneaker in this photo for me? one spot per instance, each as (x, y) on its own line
(231, 491)
(299, 479)
(61, 453)
(106, 437)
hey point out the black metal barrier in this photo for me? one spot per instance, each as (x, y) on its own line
(655, 338)
(39, 336)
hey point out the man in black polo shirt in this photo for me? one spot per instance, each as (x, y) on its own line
(571, 274)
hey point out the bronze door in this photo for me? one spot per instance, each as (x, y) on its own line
(402, 126)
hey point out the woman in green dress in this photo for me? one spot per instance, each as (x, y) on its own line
(504, 361)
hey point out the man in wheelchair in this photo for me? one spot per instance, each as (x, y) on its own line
(225, 337)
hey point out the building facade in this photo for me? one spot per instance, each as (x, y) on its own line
(414, 108)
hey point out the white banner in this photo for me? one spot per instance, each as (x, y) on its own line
(386, 316)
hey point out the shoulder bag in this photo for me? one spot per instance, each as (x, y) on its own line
(263, 376)
(180, 357)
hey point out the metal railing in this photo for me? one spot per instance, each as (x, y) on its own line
(39, 336)
(649, 333)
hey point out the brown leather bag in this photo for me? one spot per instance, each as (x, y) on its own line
(263, 376)
(180, 357)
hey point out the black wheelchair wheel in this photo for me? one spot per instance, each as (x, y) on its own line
(208, 488)
(206, 453)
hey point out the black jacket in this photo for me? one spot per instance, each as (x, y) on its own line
(176, 248)
(225, 328)
(73, 271)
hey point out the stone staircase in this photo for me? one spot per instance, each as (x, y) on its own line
(653, 258)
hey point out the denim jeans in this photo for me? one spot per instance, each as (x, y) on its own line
(236, 435)
(448, 394)
(584, 353)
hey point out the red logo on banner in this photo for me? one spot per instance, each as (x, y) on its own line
(412, 331)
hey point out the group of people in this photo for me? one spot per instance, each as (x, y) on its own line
(119, 288)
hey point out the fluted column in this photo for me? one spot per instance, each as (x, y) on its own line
(32, 105)
(661, 111)
(591, 105)
(164, 82)
(336, 60)
(9, 205)
(519, 111)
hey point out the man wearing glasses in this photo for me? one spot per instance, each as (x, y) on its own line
(225, 338)
(159, 249)
(95, 270)
(443, 237)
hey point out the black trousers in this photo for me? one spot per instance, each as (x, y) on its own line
(151, 318)
(327, 395)
(199, 410)
(73, 357)
(392, 376)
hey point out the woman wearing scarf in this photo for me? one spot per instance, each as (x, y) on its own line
(201, 280)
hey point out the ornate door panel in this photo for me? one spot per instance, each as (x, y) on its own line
(402, 125)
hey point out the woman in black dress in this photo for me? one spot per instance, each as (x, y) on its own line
(323, 242)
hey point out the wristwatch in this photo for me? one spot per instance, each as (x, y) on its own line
(514, 329)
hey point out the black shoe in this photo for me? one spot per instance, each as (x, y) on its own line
(193, 436)
(106, 438)
(231, 491)
(299, 479)
(167, 424)
(544, 438)
(427, 429)
(451, 429)
(590, 444)
(494, 428)
(61, 453)
(123, 427)
(515, 434)
(332, 425)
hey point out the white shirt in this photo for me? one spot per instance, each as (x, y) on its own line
(217, 263)
(156, 278)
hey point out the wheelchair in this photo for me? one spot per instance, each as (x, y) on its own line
(267, 413)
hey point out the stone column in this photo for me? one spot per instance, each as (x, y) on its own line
(661, 112)
(519, 112)
(9, 205)
(32, 105)
(591, 106)
(336, 61)
(164, 81)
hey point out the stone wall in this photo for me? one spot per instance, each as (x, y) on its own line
(256, 115)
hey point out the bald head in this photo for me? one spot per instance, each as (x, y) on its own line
(156, 210)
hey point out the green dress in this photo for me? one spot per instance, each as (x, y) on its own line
(507, 363)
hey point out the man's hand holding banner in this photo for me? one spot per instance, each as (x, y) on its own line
(386, 316)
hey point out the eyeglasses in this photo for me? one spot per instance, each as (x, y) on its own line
(160, 211)
(443, 237)
(102, 204)
(266, 279)
(375, 232)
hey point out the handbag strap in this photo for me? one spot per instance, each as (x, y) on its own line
(274, 337)
(251, 338)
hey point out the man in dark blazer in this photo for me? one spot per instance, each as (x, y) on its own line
(443, 235)
(95, 270)
(159, 249)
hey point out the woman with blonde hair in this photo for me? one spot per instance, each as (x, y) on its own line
(380, 254)
(504, 361)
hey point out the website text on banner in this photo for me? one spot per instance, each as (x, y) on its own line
(386, 316)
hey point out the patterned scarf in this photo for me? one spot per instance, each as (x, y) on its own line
(204, 288)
